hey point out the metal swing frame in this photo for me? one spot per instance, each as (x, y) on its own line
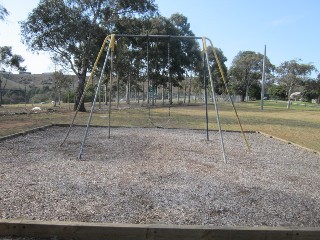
(112, 38)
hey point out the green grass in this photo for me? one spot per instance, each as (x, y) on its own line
(300, 124)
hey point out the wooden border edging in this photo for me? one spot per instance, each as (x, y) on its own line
(25, 132)
(82, 125)
(288, 142)
(81, 230)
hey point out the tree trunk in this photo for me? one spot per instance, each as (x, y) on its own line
(105, 93)
(189, 93)
(243, 96)
(0, 91)
(289, 101)
(143, 99)
(128, 89)
(59, 96)
(55, 97)
(118, 91)
(80, 90)
(171, 93)
(247, 93)
(185, 91)
(162, 93)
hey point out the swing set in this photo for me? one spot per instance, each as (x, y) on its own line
(206, 69)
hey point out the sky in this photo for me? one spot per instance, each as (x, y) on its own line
(288, 28)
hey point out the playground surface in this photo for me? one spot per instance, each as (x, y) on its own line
(160, 176)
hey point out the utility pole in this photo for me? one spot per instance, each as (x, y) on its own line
(25, 94)
(0, 90)
(263, 77)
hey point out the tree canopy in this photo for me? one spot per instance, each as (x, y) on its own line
(292, 74)
(73, 30)
(10, 60)
(165, 61)
(220, 86)
(3, 13)
(246, 71)
(7, 58)
(312, 89)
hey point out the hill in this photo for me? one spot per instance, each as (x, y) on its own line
(10, 84)
(19, 81)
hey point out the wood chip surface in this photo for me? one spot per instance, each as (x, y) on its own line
(165, 176)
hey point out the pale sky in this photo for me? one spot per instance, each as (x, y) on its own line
(289, 28)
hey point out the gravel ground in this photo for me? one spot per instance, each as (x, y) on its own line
(158, 176)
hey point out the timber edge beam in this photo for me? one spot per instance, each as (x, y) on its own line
(288, 142)
(33, 130)
(114, 231)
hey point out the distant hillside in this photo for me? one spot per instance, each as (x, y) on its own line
(18, 81)
(9, 84)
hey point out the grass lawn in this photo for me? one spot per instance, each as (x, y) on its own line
(300, 124)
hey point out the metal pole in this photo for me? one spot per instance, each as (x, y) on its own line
(169, 76)
(157, 36)
(25, 95)
(214, 100)
(99, 97)
(228, 92)
(263, 77)
(85, 88)
(206, 95)
(92, 107)
(148, 80)
(110, 94)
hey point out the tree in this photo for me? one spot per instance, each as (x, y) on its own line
(73, 30)
(292, 74)
(185, 53)
(3, 13)
(8, 60)
(312, 89)
(245, 71)
(278, 92)
(168, 59)
(60, 81)
(219, 84)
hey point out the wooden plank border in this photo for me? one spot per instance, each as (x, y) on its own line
(288, 142)
(25, 132)
(95, 126)
(81, 230)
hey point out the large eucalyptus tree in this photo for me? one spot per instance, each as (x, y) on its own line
(3, 12)
(217, 76)
(246, 71)
(73, 30)
(8, 60)
(164, 60)
(292, 74)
